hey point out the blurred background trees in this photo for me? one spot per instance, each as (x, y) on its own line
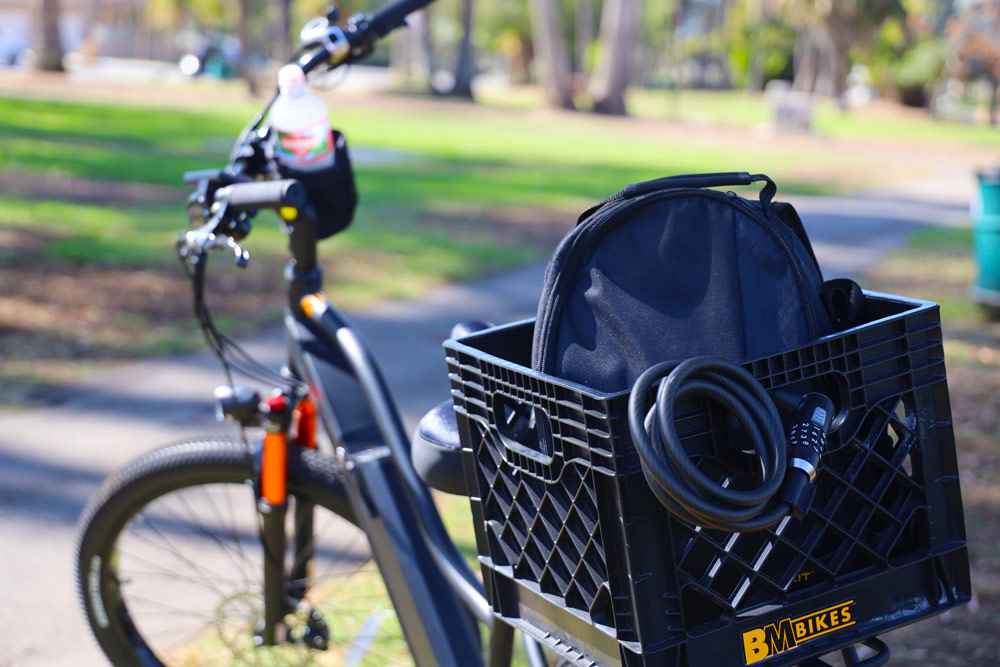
(941, 55)
(975, 40)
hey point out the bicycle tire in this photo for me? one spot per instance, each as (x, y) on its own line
(138, 494)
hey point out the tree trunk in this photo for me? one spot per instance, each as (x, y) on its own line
(50, 53)
(400, 56)
(822, 62)
(286, 29)
(521, 67)
(755, 74)
(584, 36)
(91, 21)
(551, 56)
(424, 42)
(755, 54)
(465, 68)
(994, 91)
(245, 70)
(806, 62)
(844, 31)
(619, 21)
(826, 56)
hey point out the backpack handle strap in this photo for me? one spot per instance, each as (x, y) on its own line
(716, 180)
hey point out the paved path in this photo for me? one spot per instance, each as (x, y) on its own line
(53, 458)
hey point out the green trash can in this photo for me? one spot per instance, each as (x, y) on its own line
(986, 238)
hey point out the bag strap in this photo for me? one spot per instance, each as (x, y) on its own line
(844, 300)
(716, 180)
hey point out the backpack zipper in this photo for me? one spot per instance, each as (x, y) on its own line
(593, 231)
(807, 304)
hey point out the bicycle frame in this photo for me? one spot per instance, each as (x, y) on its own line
(428, 582)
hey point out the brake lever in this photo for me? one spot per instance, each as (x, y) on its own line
(242, 255)
(194, 242)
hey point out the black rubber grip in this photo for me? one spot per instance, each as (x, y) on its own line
(393, 16)
(263, 194)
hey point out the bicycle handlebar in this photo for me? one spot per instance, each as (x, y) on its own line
(327, 44)
(393, 16)
(263, 194)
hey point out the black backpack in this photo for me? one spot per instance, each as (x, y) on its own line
(668, 269)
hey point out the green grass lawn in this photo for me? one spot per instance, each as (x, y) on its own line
(456, 192)
(518, 159)
(464, 191)
(750, 110)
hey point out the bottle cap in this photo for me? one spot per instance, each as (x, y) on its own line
(289, 77)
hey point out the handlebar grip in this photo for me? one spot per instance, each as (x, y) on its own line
(393, 15)
(263, 194)
(721, 179)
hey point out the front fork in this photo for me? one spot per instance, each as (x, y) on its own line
(303, 435)
(282, 592)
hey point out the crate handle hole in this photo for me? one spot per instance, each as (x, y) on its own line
(523, 428)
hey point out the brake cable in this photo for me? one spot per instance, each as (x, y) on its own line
(230, 354)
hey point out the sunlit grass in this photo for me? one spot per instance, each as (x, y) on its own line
(462, 200)
(530, 159)
(363, 627)
(739, 109)
(351, 605)
(936, 265)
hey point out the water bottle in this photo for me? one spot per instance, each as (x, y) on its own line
(301, 124)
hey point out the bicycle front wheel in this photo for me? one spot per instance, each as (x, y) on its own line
(170, 565)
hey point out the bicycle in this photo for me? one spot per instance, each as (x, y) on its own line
(185, 495)
(152, 523)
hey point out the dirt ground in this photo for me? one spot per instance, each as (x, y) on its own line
(967, 636)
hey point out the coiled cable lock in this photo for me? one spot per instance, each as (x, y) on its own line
(788, 467)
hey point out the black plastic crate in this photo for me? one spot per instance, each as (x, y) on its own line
(576, 550)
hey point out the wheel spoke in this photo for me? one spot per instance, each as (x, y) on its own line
(207, 580)
(172, 548)
(187, 567)
(227, 548)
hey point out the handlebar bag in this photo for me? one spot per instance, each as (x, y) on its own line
(670, 269)
(331, 191)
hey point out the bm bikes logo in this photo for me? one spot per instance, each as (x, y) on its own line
(788, 633)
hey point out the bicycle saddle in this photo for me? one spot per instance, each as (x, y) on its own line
(435, 450)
